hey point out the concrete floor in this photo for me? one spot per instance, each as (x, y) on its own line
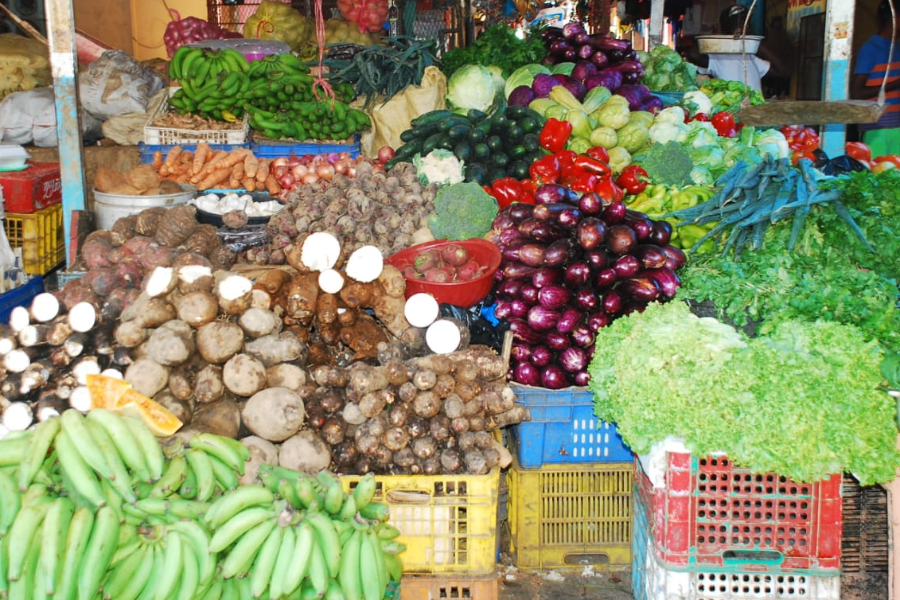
(552, 585)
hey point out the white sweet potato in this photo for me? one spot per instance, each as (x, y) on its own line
(277, 348)
(167, 347)
(285, 375)
(234, 293)
(197, 308)
(160, 282)
(262, 452)
(244, 375)
(257, 322)
(208, 384)
(222, 418)
(218, 341)
(305, 452)
(274, 414)
(147, 376)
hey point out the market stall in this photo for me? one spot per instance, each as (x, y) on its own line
(333, 312)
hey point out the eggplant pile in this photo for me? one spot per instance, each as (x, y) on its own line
(571, 264)
(599, 59)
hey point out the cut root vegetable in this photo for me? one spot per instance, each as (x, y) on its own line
(447, 335)
(19, 319)
(421, 310)
(194, 278)
(44, 307)
(80, 399)
(18, 416)
(82, 317)
(320, 251)
(365, 264)
(234, 292)
(331, 281)
(160, 282)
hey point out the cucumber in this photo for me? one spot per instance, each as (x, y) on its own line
(518, 169)
(448, 124)
(476, 172)
(458, 132)
(497, 173)
(433, 141)
(517, 151)
(476, 115)
(481, 151)
(514, 133)
(408, 135)
(476, 135)
(528, 124)
(499, 159)
(516, 112)
(435, 116)
(531, 142)
(494, 142)
(462, 150)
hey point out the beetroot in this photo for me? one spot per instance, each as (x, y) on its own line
(469, 271)
(455, 255)
(436, 275)
(429, 259)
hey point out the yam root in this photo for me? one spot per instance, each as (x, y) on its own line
(277, 348)
(147, 220)
(363, 336)
(262, 452)
(274, 414)
(305, 452)
(218, 341)
(301, 294)
(286, 375)
(208, 384)
(244, 375)
(147, 376)
(221, 418)
(177, 226)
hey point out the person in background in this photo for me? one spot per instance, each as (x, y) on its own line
(777, 82)
(872, 63)
(731, 66)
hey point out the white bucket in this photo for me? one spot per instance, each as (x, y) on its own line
(108, 208)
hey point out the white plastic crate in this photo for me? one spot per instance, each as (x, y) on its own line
(170, 136)
(650, 580)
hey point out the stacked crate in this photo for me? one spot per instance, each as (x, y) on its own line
(569, 486)
(705, 529)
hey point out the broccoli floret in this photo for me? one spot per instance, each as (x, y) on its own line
(462, 211)
(668, 163)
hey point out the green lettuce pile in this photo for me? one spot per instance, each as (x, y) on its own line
(806, 400)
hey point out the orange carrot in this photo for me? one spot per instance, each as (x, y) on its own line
(231, 159)
(172, 157)
(200, 155)
(186, 158)
(237, 171)
(210, 166)
(248, 183)
(272, 185)
(262, 170)
(251, 163)
(213, 179)
(157, 160)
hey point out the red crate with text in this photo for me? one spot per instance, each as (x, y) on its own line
(32, 189)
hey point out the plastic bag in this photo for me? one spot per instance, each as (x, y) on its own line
(128, 129)
(483, 328)
(393, 117)
(278, 21)
(30, 117)
(116, 84)
(369, 15)
(24, 64)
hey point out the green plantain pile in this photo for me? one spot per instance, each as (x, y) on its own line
(277, 91)
(93, 507)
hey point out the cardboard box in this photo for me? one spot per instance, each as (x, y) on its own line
(33, 189)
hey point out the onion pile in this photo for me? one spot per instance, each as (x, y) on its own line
(296, 170)
(190, 30)
(571, 264)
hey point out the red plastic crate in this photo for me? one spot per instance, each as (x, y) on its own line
(31, 189)
(712, 513)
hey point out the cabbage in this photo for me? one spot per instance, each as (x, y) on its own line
(523, 76)
(472, 86)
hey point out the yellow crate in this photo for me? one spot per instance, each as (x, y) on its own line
(566, 517)
(449, 522)
(41, 237)
(448, 587)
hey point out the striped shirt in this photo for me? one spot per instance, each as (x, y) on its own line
(871, 61)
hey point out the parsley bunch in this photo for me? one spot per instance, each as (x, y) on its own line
(497, 46)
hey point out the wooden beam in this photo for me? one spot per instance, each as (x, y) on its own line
(64, 66)
(837, 67)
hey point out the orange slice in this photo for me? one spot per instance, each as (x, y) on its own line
(154, 415)
(106, 391)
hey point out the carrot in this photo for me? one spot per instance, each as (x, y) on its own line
(272, 185)
(186, 158)
(200, 155)
(248, 183)
(262, 171)
(210, 166)
(213, 179)
(237, 171)
(172, 157)
(251, 163)
(235, 157)
(157, 160)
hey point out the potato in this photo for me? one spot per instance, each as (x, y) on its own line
(208, 384)
(274, 414)
(257, 322)
(262, 452)
(234, 292)
(219, 341)
(244, 375)
(168, 348)
(286, 375)
(222, 418)
(305, 452)
(197, 308)
(274, 349)
(180, 408)
(147, 376)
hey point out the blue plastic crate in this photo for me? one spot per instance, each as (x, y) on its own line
(20, 296)
(563, 429)
(265, 148)
(147, 150)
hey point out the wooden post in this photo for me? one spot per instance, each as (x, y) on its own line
(64, 66)
(656, 23)
(837, 68)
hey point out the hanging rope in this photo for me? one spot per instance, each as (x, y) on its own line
(320, 83)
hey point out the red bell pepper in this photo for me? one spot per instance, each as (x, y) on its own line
(858, 151)
(583, 182)
(723, 122)
(544, 170)
(566, 157)
(506, 190)
(598, 152)
(555, 134)
(591, 165)
(608, 191)
(633, 179)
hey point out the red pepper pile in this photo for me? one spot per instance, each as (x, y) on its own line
(802, 141)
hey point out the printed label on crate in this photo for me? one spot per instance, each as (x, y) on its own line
(37, 187)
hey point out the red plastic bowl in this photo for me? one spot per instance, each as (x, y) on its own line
(458, 293)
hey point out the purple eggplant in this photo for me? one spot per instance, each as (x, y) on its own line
(676, 257)
(642, 288)
(541, 356)
(557, 341)
(503, 309)
(605, 278)
(652, 104)
(519, 211)
(599, 319)
(546, 232)
(615, 56)
(521, 96)
(585, 51)
(620, 239)
(590, 204)
(551, 193)
(573, 359)
(510, 288)
(591, 233)
(532, 254)
(546, 276)
(514, 269)
(558, 48)
(573, 85)
(541, 318)
(527, 227)
(527, 374)
(667, 280)
(559, 252)
(614, 212)
(598, 259)
(518, 308)
(509, 236)
(551, 33)
(650, 255)
(577, 274)
(572, 30)
(520, 352)
(503, 221)
(604, 42)
(549, 212)
(640, 223)
(525, 334)
(571, 55)
(568, 320)
(661, 233)
(582, 336)
(630, 67)
(626, 266)
(510, 252)
(600, 61)
(582, 38)
(570, 217)
(611, 80)
(581, 378)
(554, 296)
(612, 302)
(583, 69)
(529, 294)
(586, 299)
(554, 378)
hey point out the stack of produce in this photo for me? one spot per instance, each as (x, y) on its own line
(666, 71)
(658, 200)
(92, 505)
(190, 30)
(276, 90)
(497, 46)
(279, 21)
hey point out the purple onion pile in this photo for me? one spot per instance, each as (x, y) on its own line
(571, 265)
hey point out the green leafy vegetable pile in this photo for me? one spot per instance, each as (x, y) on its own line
(462, 211)
(497, 46)
(804, 401)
